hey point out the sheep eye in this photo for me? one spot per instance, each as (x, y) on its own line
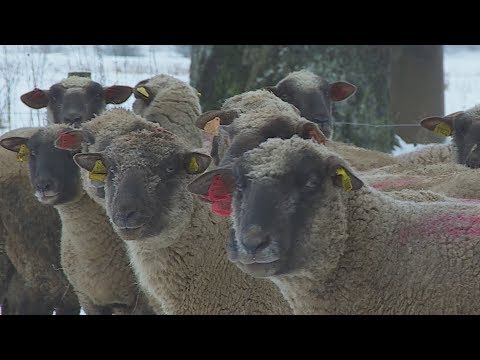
(170, 169)
(312, 183)
(285, 97)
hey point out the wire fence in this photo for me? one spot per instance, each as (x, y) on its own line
(376, 126)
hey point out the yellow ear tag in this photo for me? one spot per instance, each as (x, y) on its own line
(142, 91)
(199, 94)
(346, 181)
(99, 172)
(23, 153)
(211, 127)
(193, 166)
(443, 129)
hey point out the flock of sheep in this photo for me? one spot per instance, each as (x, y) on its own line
(248, 209)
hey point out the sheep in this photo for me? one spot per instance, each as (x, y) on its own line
(175, 244)
(170, 102)
(313, 96)
(31, 236)
(449, 179)
(92, 256)
(464, 127)
(72, 100)
(334, 245)
(75, 99)
(253, 108)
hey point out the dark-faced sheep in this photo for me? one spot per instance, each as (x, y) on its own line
(253, 109)
(31, 235)
(313, 96)
(464, 127)
(303, 219)
(92, 255)
(176, 245)
(34, 226)
(75, 99)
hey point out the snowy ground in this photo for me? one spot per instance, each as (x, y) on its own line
(24, 67)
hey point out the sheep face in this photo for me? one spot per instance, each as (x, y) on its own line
(145, 181)
(278, 196)
(53, 174)
(464, 126)
(313, 96)
(73, 105)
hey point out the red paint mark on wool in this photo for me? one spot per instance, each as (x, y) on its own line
(220, 198)
(392, 184)
(451, 225)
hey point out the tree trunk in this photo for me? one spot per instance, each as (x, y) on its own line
(417, 89)
(221, 71)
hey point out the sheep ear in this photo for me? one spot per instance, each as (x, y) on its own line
(342, 176)
(442, 125)
(310, 130)
(70, 140)
(143, 92)
(272, 89)
(197, 163)
(87, 161)
(36, 99)
(13, 143)
(341, 90)
(225, 117)
(201, 184)
(117, 94)
(438, 125)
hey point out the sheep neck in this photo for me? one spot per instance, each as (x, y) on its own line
(194, 276)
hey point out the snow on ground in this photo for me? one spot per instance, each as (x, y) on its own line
(462, 84)
(23, 67)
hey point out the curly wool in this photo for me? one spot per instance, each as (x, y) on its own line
(367, 253)
(30, 233)
(175, 107)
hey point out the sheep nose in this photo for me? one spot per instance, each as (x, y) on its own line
(73, 119)
(129, 218)
(44, 185)
(255, 239)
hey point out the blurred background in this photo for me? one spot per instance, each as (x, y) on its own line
(396, 85)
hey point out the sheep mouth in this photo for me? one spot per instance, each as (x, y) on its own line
(261, 270)
(47, 197)
(131, 232)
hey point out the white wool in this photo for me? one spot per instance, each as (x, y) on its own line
(75, 81)
(304, 79)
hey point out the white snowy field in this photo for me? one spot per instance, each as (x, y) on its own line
(25, 67)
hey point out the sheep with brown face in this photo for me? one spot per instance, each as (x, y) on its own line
(92, 255)
(176, 245)
(333, 245)
(75, 99)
